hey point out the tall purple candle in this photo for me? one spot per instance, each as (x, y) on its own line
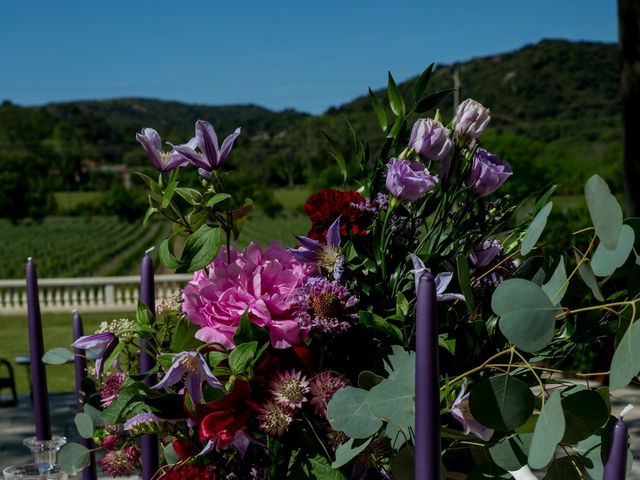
(80, 364)
(615, 468)
(150, 446)
(427, 428)
(36, 346)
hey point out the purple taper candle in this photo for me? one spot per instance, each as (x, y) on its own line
(80, 364)
(427, 428)
(36, 347)
(150, 446)
(615, 468)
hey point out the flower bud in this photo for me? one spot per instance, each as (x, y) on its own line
(408, 179)
(488, 173)
(471, 118)
(485, 253)
(430, 139)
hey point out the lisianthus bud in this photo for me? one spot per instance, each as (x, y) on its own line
(471, 118)
(430, 139)
(408, 179)
(488, 173)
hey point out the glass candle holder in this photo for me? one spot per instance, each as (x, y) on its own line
(34, 471)
(45, 452)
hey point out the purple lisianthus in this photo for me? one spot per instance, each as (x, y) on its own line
(430, 139)
(161, 160)
(193, 366)
(408, 179)
(471, 118)
(488, 173)
(102, 343)
(210, 155)
(461, 412)
(327, 256)
(486, 253)
(441, 280)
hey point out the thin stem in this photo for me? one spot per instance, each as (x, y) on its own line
(476, 369)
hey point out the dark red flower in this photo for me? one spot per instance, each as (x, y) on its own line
(184, 449)
(180, 472)
(325, 206)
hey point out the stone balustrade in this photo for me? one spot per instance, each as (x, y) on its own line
(92, 294)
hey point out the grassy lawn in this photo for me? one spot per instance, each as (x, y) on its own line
(66, 201)
(57, 331)
(292, 198)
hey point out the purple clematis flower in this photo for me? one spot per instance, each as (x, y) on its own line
(195, 368)
(328, 255)
(103, 343)
(442, 281)
(211, 155)
(460, 411)
(161, 160)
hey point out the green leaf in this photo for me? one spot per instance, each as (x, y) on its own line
(248, 332)
(144, 317)
(147, 215)
(464, 277)
(95, 414)
(170, 454)
(625, 364)
(585, 412)
(380, 113)
(377, 322)
(604, 261)
(200, 249)
(217, 198)
(605, 211)
(321, 469)
(183, 338)
(527, 316)
(346, 452)
(367, 380)
(349, 412)
(84, 424)
(74, 457)
(166, 255)
(397, 126)
(401, 366)
(566, 468)
(587, 276)
(511, 452)
(557, 285)
(168, 193)
(421, 84)
(402, 304)
(338, 157)
(241, 357)
(535, 229)
(431, 101)
(502, 402)
(112, 413)
(58, 356)
(403, 464)
(190, 195)
(396, 102)
(549, 431)
(393, 401)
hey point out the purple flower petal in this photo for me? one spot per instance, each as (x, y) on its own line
(193, 384)
(173, 375)
(333, 234)
(192, 156)
(149, 145)
(442, 281)
(309, 243)
(227, 145)
(303, 255)
(207, 141)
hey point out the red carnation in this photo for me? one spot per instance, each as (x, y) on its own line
(325, 206)
(180, 472)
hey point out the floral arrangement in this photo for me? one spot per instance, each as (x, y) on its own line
(298, 363)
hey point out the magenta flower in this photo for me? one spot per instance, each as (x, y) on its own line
(261, 282)
(290, 389)
(327, 256)
(430, 139)
(471, 118)
(325, 307)
(210, 155)
(460, 411)
(323, 387)
(488, 173)
(161, 160)
(275, 418)
(120, 462)
(111, 388)
(102, 343)
(194, 368)
(408, 179)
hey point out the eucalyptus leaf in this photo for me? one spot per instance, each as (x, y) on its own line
(403, 464)
(74, 457)
(557, 285)
(58, 356)
(566, 468)
(605, 211)
(535, 229)
(588, 277)
(394, 402)
(349, 412)
(511, 452)
(502, 402)
(548, 433)
(95, 414)
(527, 316)
(347, 452)
(625, 364)
(84, 424)
(585, 413)
(604, 261)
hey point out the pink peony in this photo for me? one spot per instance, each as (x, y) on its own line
(262, 282)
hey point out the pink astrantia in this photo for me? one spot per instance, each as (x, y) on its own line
(111, 388)
(323, 387)
(260, 281)
(290, 389)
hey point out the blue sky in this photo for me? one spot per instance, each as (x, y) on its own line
(278, 54)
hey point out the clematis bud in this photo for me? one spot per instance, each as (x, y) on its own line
(471, 118)
(430, 139)
(488, 173)
(408, 179)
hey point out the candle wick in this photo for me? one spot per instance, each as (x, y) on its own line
(29, 259)
(625, 410)
(149, 250)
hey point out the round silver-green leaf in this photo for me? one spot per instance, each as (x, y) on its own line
(502, 402)
(349, 412)
(605, 211)
(549, 431)
(604, 261)
(535, 229)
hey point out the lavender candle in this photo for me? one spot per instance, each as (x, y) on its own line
(427, 420)
(80, 364)
(615, 468)
(150, 447)
(36, 346)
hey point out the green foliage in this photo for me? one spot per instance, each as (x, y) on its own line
(548, 433)
(502, 402)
